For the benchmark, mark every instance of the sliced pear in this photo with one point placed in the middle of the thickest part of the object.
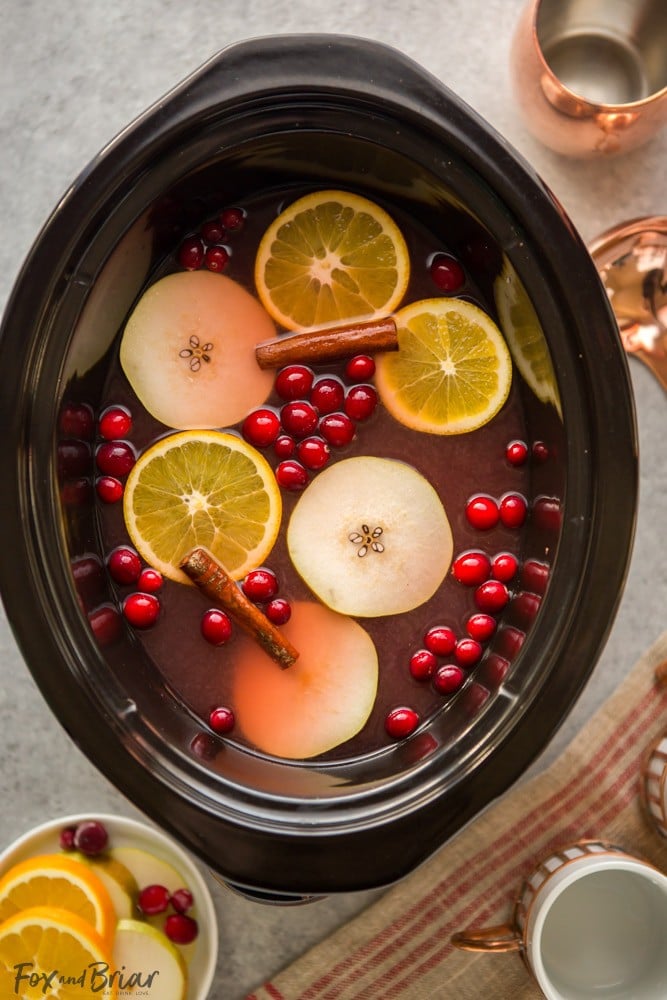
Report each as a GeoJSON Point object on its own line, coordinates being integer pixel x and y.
{"type": "Point", "coordinates": [370, 537]}
{"type": "Point", "coordinates": [188, 350]}
{"type": "Point", "coordinates": [147, 869]}
{"type": "Point", "coordinates": [118, 880]}
{"type": "Point", "coordinates": [322, 700]}
{"type": "Point", "coordinates": [145, 953]}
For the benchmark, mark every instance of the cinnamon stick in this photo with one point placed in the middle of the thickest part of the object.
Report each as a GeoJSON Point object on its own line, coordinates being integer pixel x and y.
{"type": "Point", "coordinates": [329, 344]}
{"type": "Point", "coordinates": [214, 581]}
{"type": "Point", "coordinates": [661, 674]}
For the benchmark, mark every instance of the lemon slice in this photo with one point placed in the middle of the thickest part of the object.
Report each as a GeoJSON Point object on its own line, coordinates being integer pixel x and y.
{"type": "Point", "coordinates": [525, 338]}
{"type": "Point", "coordinates": [329, 257]}
{"type": "Point", "coordinates": [202, 488]}
{"type": "Point", "coordinates": [47, 940]}
{"type": "Point", "coordinates": [452, 371]}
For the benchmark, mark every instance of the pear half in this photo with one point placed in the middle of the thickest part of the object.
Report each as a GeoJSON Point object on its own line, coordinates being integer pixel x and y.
{"type": "Point", "coordinates": [150, 965]}
{"type": "Point", "coordinates": [370, 537]}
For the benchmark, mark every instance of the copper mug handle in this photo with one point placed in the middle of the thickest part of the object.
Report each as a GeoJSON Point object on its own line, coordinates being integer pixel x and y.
{"type": "Point", "coordinates": [501, 938]}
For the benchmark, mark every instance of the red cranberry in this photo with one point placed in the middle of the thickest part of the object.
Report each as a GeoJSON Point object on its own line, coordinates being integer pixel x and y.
{"type": "Point", "coordinates": [284, 446]}
{"type": "Point", "coordinates": [294, 382]}
{"type": "Point", "coordinates": [216, 627]}
{"type": "Point", "coordinates": [513, 510]}
{"type": "Point", "coordinates": [109, 489]}
{"type": "Point", "coordinates": [180, 928]}
{"type": "Point", "coordinates": [105, 623]}
{"type": "Point", "coordinates": [221, 720]}
{"type": "Point", "coordinates": [525, 607]}
{"type": "Point", "coordinates": [495, 670]}
{"type": "Point", "coordinates": [492, 596]}
{"type": "Point", "coordinates": [260, 585]}
{"type": "Point", "coordinates": [212, 231]}
{"type": "Point", "coordinates": [76, 492]}
{"type": "Point", "coordinates": [547, 513]}
{"type": "Point", "coordinates": [337, 429]}
{"type": "Point", "coordinates": [90, 837]}
{"type": "Point", "coordinates": [124, 565]}
{"type": "Point", "coordinates": [510, 640]}
{"type": "Point", "coordinates": [278, 611]}
{"type": "Point", "coordinates": [440, 640]}
{"type": "Point", "coordinates": [474, 698]}
{"type": "Point", "coordinates": [77, 421]}
{"type": "Point", "coordinates": [73, 458]}
{"type": "Point", "coordinates": [261, 427]}
{"type": "Point", "coordinates": [291, 475]}
{"type": "Point", "coordinates": [504, 566]}
{"type": "Point", "coordinates": [535, 576]}
{"type": "Point", "coordinates": [191, 253]}
{"type": "Point", "coordinates": [360, 402]}
{"type": "Point", "coordinates": [299, 418]}
{"type": "Point", "coordinates": [233, 219]}
{"type": "Point", "coordinates": [539, 451]}
{"type": "Point", "coordinates": [482, 511]}
{"type": "Point", "coordinates": [141, 610]}
{"type": "Point", "coordinates": [481, 627]}
{"type": "Point", "coordinates": [216, 258]}
{"type": "Point", "coordinates": [472, 567]}
{"type": "Point", "coordinates": [446, 273]}
{"type": "Point", "coordinates": [313, 452]}
{"type": "Point", "coordinates": [448, 678]}
{"type": "Point", "coordinates": [468, 652]}
{"type": "Point", "coordinates": [327, 395]}
{"type": "Point", "coordinates": [205, 746]}
{"type": "Point", "coordinates": [67, 838]}
{"type": "Point", "coordinates": [422, 664]}
{"type": "Point", "coordinates": [516, 452]}
{"type": "Point", "coordinates": [150, 581]}
{"type": "Point", "coordinates": [115, 458]}
{"type": "Point", "coordinates": [182, 900]}
{"type": "Point", "coordinates": [153, 899]}
{"type": "Point", "coordinates": [360, 368]}
{"type": "Point", "coordinates": [400, 722]}
{"type": "Point", "coordinates": [115, 422]}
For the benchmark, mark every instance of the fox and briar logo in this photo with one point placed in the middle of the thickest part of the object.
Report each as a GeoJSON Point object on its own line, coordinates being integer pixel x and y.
{"type": "Point", "coordinates": [98, 977]}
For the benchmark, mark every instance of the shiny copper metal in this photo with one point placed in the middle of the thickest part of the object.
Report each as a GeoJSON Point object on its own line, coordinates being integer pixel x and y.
{"type": "Point", "coordinates": [631, 259]}
{"type": "Point", "coordinates": [590, 77]}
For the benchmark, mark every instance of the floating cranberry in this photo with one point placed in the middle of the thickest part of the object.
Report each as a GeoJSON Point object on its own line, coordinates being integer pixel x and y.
{"type": "Point", "coordinates": [299, 417]}
{"type": "Point", "coordinates": [495, 670]}
{"type": "Point", "coordinates": [73, 458]}
{"type": "Point", "coordinates": [180, 928]}
{"type": "Point", "coordinates": [441, 640]}
{"type": "Point", "coordinates": [278, 611]}
{"type": "Point", "coordinates": [77, 492]}
{"type": "Point", "coordinates": [221, 720]}
{"type": "Point", "coordinates": [448, 678]}
{"type": "Point", "coordinates": [482, 511]}
{"type": "Point", "coordinates": [535, 576]}
{"type": "Point", "coordinates": [124, 565]}
{"type": "Point", "coordinates": [539, 451]}
{"type": "Point", "coordinates": [510, 640]}
{"type": "Point", "coordinates": [261, 427]}
{"type": "Point", "coordinates": [422, 664]}
{"type": "Point", "coordinates": [504, 566]}
{"type": "Point", "coordinates": [337, 429]}
{"type": "Point", "coordinates": [260, 585]}
{"type": "Point", "coordinates": [492, 596]}
{"type": "Point", "coordinates": [182, 900]}
{"type": "Point", "coordinates": [233, 219]}
{"type": "Point", "coordinates": [105, 623]}
{"type": "Point", "coordinates": [547, 513]}
{"type": "Point", "coordinates": [294, 382]}
{"type": "Point", "coordinates": [513, 510]}
{"type": "Point", "coordinates": [468, 652]}
{"type": "Point", "coordinates": [90, 837]}
{"type": "Point", "coordinates": [109, 489]}
{"type": "Point", "coordinates": [525, 607]}
{"type": "Point", "coordinates": [213, 231]}
{"type": "Point", "coordinates": [115, 422]}
{"type": "Point", "coordinates": [150, 581]}
{"type": "Point", "coordinates": [446, 273]}
{"type": "Point", "coordinates": [360, 368]}
{"type": "Point", "coordinates": [67, 838]}
{"type": "Point", "coordinates": [205, 746]}
{"type": "Point", "coordinates": [77, 420]}
{"type": "Point", "coordinates": [191, 253]}
{"type": "Point", "coordinates": [216, 627]}
{"type": "Point", "coordinates": [115, 458]}
{"type": "Point", "coordinates": [153, 899]}
{"type": "Point", "coordinates": [313, 452]}
{"type": "Point", "coordinates": [472, 567]}
{"type": "Point", "coordinates": [327, 395]}
{"type": "Point", "coordinates": [291, 475]}
{"type": "Point", "coordinates": [516, 452]}
{"type": "Point", "coordinates": [284, 446]}
{"type": "Point", "coordinates": [481, 627]}
{"type": "Point", "coordinates": [400, 722]}
{"type": "Point", "coordinates": [360, 402]}
{"type": "Point", "coordinates": [216, 258]}
{"type": "Point", "coordinates": [141, 610]}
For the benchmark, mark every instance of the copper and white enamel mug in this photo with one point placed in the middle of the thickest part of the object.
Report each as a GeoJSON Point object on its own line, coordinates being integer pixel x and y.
{"type": "Point", "coordinates": [590, 922]}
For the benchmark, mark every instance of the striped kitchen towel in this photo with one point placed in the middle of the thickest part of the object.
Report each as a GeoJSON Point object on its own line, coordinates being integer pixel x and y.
{"type": "Point", "coordinates": [400, 946]}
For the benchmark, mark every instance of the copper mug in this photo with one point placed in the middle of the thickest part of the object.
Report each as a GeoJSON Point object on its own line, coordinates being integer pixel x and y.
{"type": "Point", "coordinates": [590, 921]}
{"type": "Point", "coordinates": [589, 76]}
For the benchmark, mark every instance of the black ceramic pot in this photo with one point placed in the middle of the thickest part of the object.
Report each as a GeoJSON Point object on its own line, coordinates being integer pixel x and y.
{"type": "Point", "coordinates": [327, 111]}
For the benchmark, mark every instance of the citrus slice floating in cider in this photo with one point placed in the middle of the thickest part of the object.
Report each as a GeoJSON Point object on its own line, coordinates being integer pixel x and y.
{"type": "Point", "coordinates": [202, 488]}
{"type": "Point", "coordinates": [329, 257]}
{"type": "Point", "coordinates": [452, 372]}
{"type": "Point", "coordinates": [55, 880]}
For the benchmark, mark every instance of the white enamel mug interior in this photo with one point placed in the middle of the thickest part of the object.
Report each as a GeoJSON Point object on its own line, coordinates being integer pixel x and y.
{"type": "Point", "coordinates": [597, 930]}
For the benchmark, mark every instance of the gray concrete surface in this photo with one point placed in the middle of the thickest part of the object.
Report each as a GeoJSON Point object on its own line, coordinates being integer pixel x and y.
{"type": "Point", "coordinates": [72, 74]}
